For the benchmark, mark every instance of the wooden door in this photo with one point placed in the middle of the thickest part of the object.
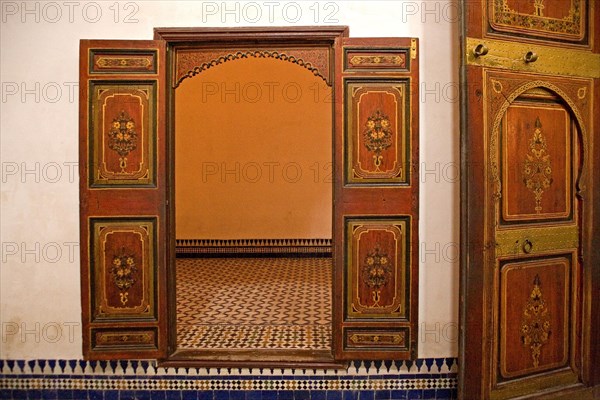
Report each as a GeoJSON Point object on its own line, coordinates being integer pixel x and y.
{"type": "Point", "coordinates": [530, 72]}
{"type": "Point", "coordinates": [122, 198]}
{"type": "Point", "coordinates": [376, 198]}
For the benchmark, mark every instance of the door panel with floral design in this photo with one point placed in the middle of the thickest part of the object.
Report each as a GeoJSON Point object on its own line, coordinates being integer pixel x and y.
{"type": "Point", "coordinates": [376, 199]}
{"type": "Point", "coordinates": [530, 84]}
{"type": "Point", "coordinates": [122, 193]}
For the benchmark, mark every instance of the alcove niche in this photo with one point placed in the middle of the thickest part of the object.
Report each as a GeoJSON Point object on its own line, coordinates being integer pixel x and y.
{"type": "Point", "coordinates": [253, 207]}
{"type": "Point", "coordinates": [253, 146]}
{"type": "Point", "coordinates": [292, 152]}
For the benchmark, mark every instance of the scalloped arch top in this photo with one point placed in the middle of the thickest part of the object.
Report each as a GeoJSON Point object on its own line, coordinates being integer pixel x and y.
{"type": "Point", "coordinates": [192, 62]}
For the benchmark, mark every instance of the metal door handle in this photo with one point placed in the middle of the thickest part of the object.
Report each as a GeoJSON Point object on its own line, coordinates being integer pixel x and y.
{"type": "Point", "coordinates": [480, 50]}
{"type": "Point", "coordinates": [527, 246]}
{"type": "Point", "coordinates": [530, 57]}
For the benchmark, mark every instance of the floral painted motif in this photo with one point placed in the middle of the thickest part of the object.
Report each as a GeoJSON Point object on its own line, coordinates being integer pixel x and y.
{"type": "Point", "coordinates": [378, 136]}
{"type": "Point", "coordinates": [537, 172]}
{"type": "Point", "coordinates": [376, 272]}
{"type": "Point", "coordinates": [535, 326]}
{"type": "Point", "coordinates": [123, 270]}
{"type": "Point", "coordinates": [122, 137]}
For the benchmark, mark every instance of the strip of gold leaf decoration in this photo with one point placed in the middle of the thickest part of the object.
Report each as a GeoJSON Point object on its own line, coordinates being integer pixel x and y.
{"type": "Point", "coordinates": [509, 242]}
{"type": "Point", "coordinates": [535, 323]}
{"type": "Point", "coordinates": [120, 338]}
{"type": "Point", "coordinates": [537, 170]}
{"type": "Point", "coordinates": [130, 62]}
{"type": "Point", "coordinates": [551, 60]}
{"type": "Point", "coordinates": [372, 338]}
{"type": "Point", "coordinates": [378, 59]}
{"type": "Point", "coordinates": [413, 48]}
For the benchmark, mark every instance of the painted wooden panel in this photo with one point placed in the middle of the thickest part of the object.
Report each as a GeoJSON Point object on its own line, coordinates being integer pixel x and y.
{"type": "Point", "coordinates": [366, 59]}
{"type": "Point", "coordinates": [122, 170]}
{"type": "Point", "coordinates": [561, 20]}
{"type": "Point", "coordinates": [123, 268]}
{"type": "Point", "coordinates": [377, 268]}
{"type": "Point", "coordinates": [135, 339]}
{"type": "Point", "coordinates": [377, 128]}
{"type": "Point", "coordinates": [122, 133]}
{"type": "Point", "coordinates": [122, 62]}
{"type": "Point", "coordinates": [528, 261]}
{"type": "Point", "coordinates": [377, 339]}
{"type": "Point", "coordinates": [376, 194]}
{"type": "Point", "coordinates": [536, 162]}
{"type": "Point", "coordinates": [535, 318]}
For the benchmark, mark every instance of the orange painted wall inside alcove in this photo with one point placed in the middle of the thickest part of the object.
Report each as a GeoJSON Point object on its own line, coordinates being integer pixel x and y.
{"type": "Point", "coordinates": [253, 151]}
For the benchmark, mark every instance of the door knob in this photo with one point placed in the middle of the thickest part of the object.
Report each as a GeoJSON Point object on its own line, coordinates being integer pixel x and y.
{"type": "Point", "coordinates": [527, 246]}
{"type": "Point", "coordinates": [530, 57]}
{"type": "Point", "coordinates": [480, 50]}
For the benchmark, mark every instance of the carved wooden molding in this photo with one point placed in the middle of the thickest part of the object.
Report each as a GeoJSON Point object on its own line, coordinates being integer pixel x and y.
{"type": "Point", "coordinates": [190, 63]}
{"type": "Point", "coordinates": [502, 94]}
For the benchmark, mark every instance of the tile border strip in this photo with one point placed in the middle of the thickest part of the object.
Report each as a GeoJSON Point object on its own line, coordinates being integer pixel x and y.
{"type": "Point", "coordinates": [82, 383]}
{"type": "Point", "coordinates": [150, 368]}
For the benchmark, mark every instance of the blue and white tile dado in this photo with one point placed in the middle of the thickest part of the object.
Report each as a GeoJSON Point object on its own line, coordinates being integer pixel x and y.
{"type": "Point", "coordinates": [432, 378]}
{"type": "Point", "coordinates": [152, 368]}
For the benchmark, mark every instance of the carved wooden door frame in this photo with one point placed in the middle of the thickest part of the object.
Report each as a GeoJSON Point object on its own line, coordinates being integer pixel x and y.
{"type": "Point", "coordinates": [374, 63]}
{"type": "Point", "coordinates": [184, 48]}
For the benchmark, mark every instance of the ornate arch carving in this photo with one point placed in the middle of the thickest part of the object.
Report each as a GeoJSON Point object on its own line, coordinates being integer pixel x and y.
{"type": "Point", "coordinates": [190, 63]}
{"type": "Point", "coordinates": [499, 111]}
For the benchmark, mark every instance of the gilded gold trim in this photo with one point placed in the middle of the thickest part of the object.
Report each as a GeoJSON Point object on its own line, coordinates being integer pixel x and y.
{"type": "Point", "coordinates": [377, 338]}
{"type": "Point", "coordinates": [130, 61]}
{"type": "Point", "coordinates": [510, 242]}
{"type": "Point", "coordinates": [123, 62]}
{"type": "Point", "coordinates": [377, 59]}
{"type": "Point", "coordinates": [551, 60]}
{"type": "Point", "coordinates": [119, 338]}
{"type": "Point", "coordinates": [116, 338]}
{"type": "Point", "coordinates": [413, 49]}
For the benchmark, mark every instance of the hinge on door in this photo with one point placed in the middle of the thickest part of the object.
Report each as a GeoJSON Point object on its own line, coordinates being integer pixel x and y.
{"type": "Point", "coordinates": [413, 49]}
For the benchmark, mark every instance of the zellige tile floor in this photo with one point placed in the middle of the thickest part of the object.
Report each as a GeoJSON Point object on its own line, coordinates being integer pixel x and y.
{"type": "Point", "coordinates": [254, 303]}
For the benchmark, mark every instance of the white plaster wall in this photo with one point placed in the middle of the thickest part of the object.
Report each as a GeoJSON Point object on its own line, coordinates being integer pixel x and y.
{"type": "Point", "coordinates": [40, 311]}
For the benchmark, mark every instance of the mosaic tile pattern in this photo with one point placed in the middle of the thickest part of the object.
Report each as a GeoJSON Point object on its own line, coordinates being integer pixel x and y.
{"type": "Point", "coordinates": [254, 303]}
{"type": "Point", "coordinates": [130, 379]}
{"type": "Point", "coordinates": [151, 369]}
